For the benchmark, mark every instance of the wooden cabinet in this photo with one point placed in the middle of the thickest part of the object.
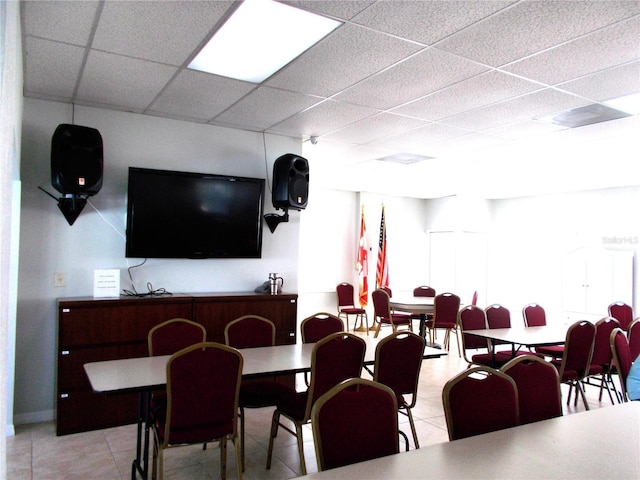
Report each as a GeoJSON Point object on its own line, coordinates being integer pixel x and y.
{"type": "Point", "coordinates": [91, 330]}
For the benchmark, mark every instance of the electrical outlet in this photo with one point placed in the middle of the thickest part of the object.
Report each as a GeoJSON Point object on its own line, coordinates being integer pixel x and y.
{"type": "Point", "coordinates": [60, 280]}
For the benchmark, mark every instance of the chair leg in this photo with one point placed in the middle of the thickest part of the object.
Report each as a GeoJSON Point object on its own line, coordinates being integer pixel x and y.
{"type": "Point", "coordinates": [406, 439]}
{"type": "Point", "coordinates": [239, 444]}
{"type": "Point", "coordinates": [303, 464]}
{"type": "Point", "coordinates": [223, 458]}
{"type": "Point", "coordinates": [242, 436]}
{"type": "Point", "coordinates": [413, 427]}
{"type": "Point", "coordinates": [582, 394]}
{"type": "Point", "coordinates": [275, 422]}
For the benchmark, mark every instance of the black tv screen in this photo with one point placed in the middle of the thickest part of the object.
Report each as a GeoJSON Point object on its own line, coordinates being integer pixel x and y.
{"type": "Point", "coordinates": [193, 215]}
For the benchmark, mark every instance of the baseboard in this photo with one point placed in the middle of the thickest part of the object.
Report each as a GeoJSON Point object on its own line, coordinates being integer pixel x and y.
{"type": "Point", "coordinates": [33, 417]}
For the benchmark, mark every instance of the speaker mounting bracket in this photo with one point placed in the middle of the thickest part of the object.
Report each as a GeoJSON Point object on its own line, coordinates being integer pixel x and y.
{"type": "Point", "coordinates": [273, 219]}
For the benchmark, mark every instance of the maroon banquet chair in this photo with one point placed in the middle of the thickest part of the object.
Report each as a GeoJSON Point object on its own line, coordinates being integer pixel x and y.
{"type": "Point", "coordinates": [480, 400]}
{"type": "Point", "coordinates": [397, 365]}
{"type": "Point", "coordinates": [472, 318]}
{"type": "Point", "coordinates": [383, 314]}
{"type": "Point", "coordinates": [346, 306]}
{"type": "Point", "coordinates": [621, 312]}
{"type": "Point", "coordinates": [576, 360]}
{"type": "Point", "coordinates": [535, 316]}
{"type": "Point", "coordinates": [538, 383]}
{"type": "Point", "coordinates": [335, 358]}
{"type": "Point", "coordinates": [343, 430]}
{"type": "Point", "coordinates": [423, 291]}
{"type": "Point", "coordinates": [622, 359]}
{"type": "Point", "coordinates": [168, 338]}
{"type": "Point", "coordinates": [319, 325]}
{"type": "Point", "coordinates": [634, 338]}
{"type": "Point", "coordinates": [251, 331]}
{"type": "Point", "coordinates": [445, 316]}
{"type": "Point", "coordinates": [602, 359]}
{"type": "Point", "coordinates": [203, 385]}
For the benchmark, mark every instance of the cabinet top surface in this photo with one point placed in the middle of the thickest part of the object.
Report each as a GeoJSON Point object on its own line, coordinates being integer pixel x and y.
{"type": "Point", "coordinates": [179, 297]}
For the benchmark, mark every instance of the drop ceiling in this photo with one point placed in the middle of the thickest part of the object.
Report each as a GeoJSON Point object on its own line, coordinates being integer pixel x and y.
{"type": "Point", "coordinates": [462, 83]}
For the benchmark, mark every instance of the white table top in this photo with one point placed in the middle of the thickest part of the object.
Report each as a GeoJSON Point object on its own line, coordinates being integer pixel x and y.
{"type": "Point", "coordinates": [150, 372]}
{"type": "Point", "coordinates": [528, 336]}
{"type": "Point", "coordinates": [597, 444]}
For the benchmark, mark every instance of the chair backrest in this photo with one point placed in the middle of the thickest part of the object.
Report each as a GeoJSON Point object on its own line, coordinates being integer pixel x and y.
{"type": "Point", "coordinates": [634, 338]}
{"type": "Point", "coordinates": [479, 400]}
{"type": "Point", "coordinates": [250, 331]}
{"type": "Point", "coordinates": [498, 316]}
{"type": "Point", "coordinates": [424, 291]}
{"type": "Point", "coordinates": [173, 335]}
{"type": "Point", "coordinates": [388, 290]}
{"type": "Point", "coordinates": [538, 385]}
{"type": "Point", "coordinates": [474, 298]}
{"type": "Point", "coordinates": [381, 307]}
{"type": "Point", "coordinates": [335, 358]}
{"type": "Point", "coordinates": [203, 385]}
{"type": "Point", "coordinates": [318, 326]}
{"type": "Point", "coordinates": [534, 315]}
{"type": "Point", "coordinates": [621, 357]}
{"type": "Point", "coordinates": [472, 317]}
{"type": "Point", "coordinates": [344, 293]}
{"type": "Point", "coordinates": [397, 363]}
{"type": "Point", "coordinates": [601, 347]}
{"type": "Point", "coordinates": [621, 312]}
{"type": "Point", "coordinates": [445, 309]}
{"type": "Point", "coordinates": [343, 430]}
{"type": "Point", "coordinates": [578, 349]}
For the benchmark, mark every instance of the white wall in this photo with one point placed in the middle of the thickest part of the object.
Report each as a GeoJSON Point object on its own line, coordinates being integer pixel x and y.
{"type": "Point", "coordinates": [97, 238]}
{"type": "Point", "coordinates": [10, 132]}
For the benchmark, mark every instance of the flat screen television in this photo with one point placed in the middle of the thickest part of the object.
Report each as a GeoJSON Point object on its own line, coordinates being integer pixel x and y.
{"type": "Point", "coordinates": [193, 215]}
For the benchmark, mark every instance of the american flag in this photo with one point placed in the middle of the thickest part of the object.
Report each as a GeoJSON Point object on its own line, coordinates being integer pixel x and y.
{"type": "Point", "coordinates": [362, 264]}
{"type": "Point", "coordinates": [382, 270]}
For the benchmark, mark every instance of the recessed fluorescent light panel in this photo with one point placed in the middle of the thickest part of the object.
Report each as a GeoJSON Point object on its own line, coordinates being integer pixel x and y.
{"type": "Point", "coordinates": [260, 38]}
{"type": "Point", "coordinates": [587, 115]}
{"type": "Point", "coordinates": [404, 158]}
{"type": "Point", "coordinates": [628, 103]}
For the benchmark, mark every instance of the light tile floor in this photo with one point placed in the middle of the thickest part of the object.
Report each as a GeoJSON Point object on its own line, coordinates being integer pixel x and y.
{"type": "Point", "coordinates": [36, 453]}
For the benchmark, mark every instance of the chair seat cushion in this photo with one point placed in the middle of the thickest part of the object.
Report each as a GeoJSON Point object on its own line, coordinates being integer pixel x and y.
{"type": "Point", "coordinates": [398, 319]}
{"type": "Point", "coordinates": [555, 351]}
{"type": "Point", "coordinates": [255, 393]}
{"type": "Point", "coordinates": [353, 311]}
{"type": "Point", "coordinates": [293, 404]}
{"type": "Point", "coordinates": [487, 360]}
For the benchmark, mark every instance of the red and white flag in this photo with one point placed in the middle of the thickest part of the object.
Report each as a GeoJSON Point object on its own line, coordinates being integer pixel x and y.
{"type": "Point", "coordinates": [382, 270]}
{"type": "Point", "coordinates": [362, 265]}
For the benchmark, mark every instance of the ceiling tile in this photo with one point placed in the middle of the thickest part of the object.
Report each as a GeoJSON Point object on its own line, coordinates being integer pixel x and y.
{"type": "Point", "coordinates": [381, 125]}
{"type": "Point", "coordinates": [525, 107]}
{"type": "Point", "coordinates": [473, 93]}
{"type": "Point", "coordinates": [194, 94]}
{"type": "Point", "coordinates": [607, 84]}
{"type": "Point", "coordinates": [532, 26]}
{"type": "Point", "coordinates": [63, 21]}
{"type": "Point", "coordinates": [265, 107]}
{"type": "Point", "coordinates": [426, 21]}
{"type": "Point", "coordinates": [131, 28]}
{"type": "Point", "coordinates": [123, 82]}
{"type": "Point", "coordinates": [342, 9]}
{"type": "Point", "coordinates": [343, 58]}
{"type": "Point", "coordinates": [55, 79]}
{"type": "Point", "coordinates": [419, 140]}
{"type": "Point", "coordinates": [591, 53]}
{"type": "Point", "coordinates": [322, 119]}
{"type": "Point", "coordinates": [419, 75]}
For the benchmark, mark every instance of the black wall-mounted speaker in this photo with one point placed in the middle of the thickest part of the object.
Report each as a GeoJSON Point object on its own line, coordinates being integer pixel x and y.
{"type": "Point", "coordinates": [76, 160]}
{"type": "Point", "coordinates": [290, 182]}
